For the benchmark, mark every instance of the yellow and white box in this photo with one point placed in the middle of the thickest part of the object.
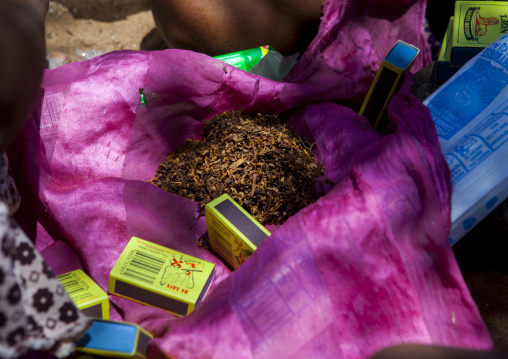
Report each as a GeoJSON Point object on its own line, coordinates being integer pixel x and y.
{"type": "Point", "coordinates": [86, 294]}
{"type": "Point", "coordinates": [232, 231]}
{"type": "Point", "coordinates": [112, 339]}
{"type": "Point", "coordinates": [387, 80]}
{"type": "Point", "coordinates": [476, 25]}
{"type": "Point", "coordinates": [154, 275]}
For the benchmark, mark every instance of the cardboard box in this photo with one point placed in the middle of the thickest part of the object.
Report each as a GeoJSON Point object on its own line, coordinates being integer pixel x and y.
{"type": "Point", "coordinates": [114, 339]}
{"type": "Point", "coordinates": [387, 80]}
{"type": "Point", "coordinates": [477, 24]}
{"type": "Point", "coordinates": [161, 277]}
{"type": "Point", "coordinates": [86, 294]}
{"type": "Point", "coordinates": [232, 231]}
{"type": "Point", "coordinates": [470, 112]}
{"type": "Point", "coordinates": [444, 68]}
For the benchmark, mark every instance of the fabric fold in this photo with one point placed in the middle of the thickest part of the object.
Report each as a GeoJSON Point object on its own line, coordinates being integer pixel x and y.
{"type": "Point", "coordinates": [366, 266]}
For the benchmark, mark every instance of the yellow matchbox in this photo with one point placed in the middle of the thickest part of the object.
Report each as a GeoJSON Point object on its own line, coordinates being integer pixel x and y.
{"type": "Point", "coordinates": [86, 294]}
{"type": "Point", "coordinates": [399, 59]}
{"type": "Point", "coordinates": [232, 231]}
{"type": "Point", "coordinates": [154, 275]}
{"type": "Point", "coordinates": [477, 24]}
{"type": "Point", "coordinates": [112, 339]}
{"type": "Point", "coordinates": [444, 68]}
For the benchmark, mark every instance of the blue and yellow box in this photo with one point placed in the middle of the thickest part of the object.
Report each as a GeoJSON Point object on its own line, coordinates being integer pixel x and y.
{"type": "Point", "coordinates": [232, 231]}
{"type": "Point", "coordinates": [86, 294]}
{"type": "Point", "coordinates": [399, 59]}
{"type": "Point", "coordinates": [477, 24]}
{"type": "Point", "coordinates": [154, 275]}
{"type": "Point", "coordinates": [114, 339]}
{"type": "Point", "coordinates": [444, 68]}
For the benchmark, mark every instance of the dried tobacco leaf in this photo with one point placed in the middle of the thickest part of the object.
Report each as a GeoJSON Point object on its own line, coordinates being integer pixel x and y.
{"type": "Point", "coordinates": [266, 167]}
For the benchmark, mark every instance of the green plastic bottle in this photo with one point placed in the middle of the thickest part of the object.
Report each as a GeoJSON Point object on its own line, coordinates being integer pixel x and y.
{"type": "Point", "coordinates": [246, 59]}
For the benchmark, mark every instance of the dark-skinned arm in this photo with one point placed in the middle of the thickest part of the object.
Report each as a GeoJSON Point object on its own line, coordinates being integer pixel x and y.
{"type": "Point", "coordinates": [217, 27]}
{"type": "Point", "coordinates": [22, 62]}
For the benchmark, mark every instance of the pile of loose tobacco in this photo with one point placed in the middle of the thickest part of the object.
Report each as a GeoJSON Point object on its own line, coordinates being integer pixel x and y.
{"type": "Point", "coordinates": [263, 165]}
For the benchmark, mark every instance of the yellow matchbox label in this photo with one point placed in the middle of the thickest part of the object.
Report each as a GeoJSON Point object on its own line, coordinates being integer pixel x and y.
{"type": "Point", "coordinates": [479, 23]}
{"type": "Point", "coordinates": [161, 277]}
{"type": "Point", "coordinates": [476, 25]}
{"type": "Point", "coordinates": [86, 294]}
{"type": "Point", "coordinates": [232, 231]}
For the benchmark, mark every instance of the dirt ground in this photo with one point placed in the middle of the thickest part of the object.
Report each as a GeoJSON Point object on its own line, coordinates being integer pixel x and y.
{"type": "Point", "coordinates": [84, 28]}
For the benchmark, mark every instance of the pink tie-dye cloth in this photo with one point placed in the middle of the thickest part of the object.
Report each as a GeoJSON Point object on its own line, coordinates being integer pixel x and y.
{"type": "Point", "coordinates": [365, 267]}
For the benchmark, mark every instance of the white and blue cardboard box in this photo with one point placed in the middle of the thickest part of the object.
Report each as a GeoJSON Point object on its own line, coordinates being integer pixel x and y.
{"type": "Point", "coordinates": [470, 112]}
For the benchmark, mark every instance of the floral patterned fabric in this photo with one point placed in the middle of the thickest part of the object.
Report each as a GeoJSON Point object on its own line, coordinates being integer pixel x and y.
{"type": "Point", "coordinates": [36, 313]}
{"type": "Point", "coordinates": [8, 191]}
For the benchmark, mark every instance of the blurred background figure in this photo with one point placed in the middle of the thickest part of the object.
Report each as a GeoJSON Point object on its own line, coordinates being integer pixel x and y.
{"type": "Point", "coordinates": [220, 27]}
{"type": "Point", "coordinates": [22, 62]}
{"type": "Point", "coordinates": [31, 294]}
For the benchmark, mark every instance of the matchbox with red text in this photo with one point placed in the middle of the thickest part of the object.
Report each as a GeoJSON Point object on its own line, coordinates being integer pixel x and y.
{"type": "Point", "coordinates": [151, 274]}
{"type": "Point", "coordinates": [232, 231]}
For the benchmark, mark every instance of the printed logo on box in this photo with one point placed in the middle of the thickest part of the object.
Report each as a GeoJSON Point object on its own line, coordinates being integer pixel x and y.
{"type": "Point", "coordinates": [480, 22]}
{"type": "Point", "coordinates": [476, 25]}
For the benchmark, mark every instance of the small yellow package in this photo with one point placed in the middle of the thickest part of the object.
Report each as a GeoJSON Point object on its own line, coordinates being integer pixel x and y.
{"type": "Point", "coordinates": [86, 294]}
{"type": "Point", "coordinates": [444, 68]}
{"type": "Point", "coordinates": [233, 233]}
{"type": "Point", "coordinates": [161, 277]}
{"type": "Point", "coordinates": [114, 339]}
{"type": "Point", "coordinates": [477, 24]}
